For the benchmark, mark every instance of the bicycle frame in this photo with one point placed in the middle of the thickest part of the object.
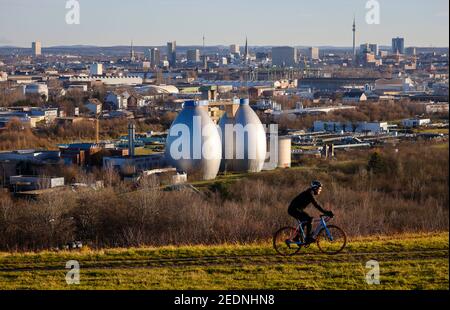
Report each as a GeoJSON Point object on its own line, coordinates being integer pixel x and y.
{"type": "Point", "coordinates": [322, 225]}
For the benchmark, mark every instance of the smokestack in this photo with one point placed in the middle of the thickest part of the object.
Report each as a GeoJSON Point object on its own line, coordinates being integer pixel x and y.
{"type": "Point", "coordinates": [131, 136]}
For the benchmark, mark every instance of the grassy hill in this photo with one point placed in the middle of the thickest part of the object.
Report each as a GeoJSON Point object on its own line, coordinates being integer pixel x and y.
{"type": "Point", "coordinates": [406, 262]}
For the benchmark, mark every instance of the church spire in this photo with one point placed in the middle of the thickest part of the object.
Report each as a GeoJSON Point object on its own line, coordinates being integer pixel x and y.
{"type": "Point", "coordinates": [246, 53]}
{"type": "Point", "coordinates": [132, 56]}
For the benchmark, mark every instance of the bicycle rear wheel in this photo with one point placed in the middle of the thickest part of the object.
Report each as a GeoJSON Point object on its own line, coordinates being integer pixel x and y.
{"type": "Point", "coordinates": [331, 243]}
{"type": "Point", "coordinates": [279, 241]}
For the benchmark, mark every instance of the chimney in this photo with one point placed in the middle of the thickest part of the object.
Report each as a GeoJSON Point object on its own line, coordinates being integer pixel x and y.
{"type": "Point", "coordinates": [131, 136]}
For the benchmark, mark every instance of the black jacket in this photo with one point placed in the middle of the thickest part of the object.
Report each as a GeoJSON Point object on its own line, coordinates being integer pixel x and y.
{"type": "Point", "coordinates": [303, 200]}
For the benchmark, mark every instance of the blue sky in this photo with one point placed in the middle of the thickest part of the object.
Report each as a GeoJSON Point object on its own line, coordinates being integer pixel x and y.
{"type": "Point", "coordinates": [265, 22]}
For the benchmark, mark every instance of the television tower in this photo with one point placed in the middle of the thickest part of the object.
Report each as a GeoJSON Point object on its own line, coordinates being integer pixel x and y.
{"type": "Point", "coordinates": [354, 38]}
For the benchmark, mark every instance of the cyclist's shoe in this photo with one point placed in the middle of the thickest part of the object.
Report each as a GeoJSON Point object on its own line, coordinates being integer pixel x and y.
{"type": "Point", "coordinates": [309, 240]}
{"type": "Point", "coordinates": [288, 243]}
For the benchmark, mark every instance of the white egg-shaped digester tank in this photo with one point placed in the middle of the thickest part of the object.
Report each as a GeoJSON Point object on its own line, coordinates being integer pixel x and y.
{"type": "Point", "coordinates": [193, 144]}
{"type": "Point", "coordinates": [226, 125]}
{"type": "Point", "coordinates": [250, 147]}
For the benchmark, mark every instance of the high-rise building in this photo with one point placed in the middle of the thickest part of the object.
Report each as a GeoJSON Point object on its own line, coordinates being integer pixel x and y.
{"type": "Point", "coordinates": [205, 60]}
{"type": "Point", "coordinates": [284, 56]}
{"type": "Point", "coordinates": [147, 54]}
{"type": "Point", "coordinates": [313, 53]}
{"type": "Point", "coordinates": [368, 48]}
{"type": "Point", "coordinates": [96, 69]}
{"type": "Point", "coordinates": [374, 48]}
{"type": "Point", "coordinates": [398, 45]}
{"type": "Point", "coordinates": [172, 53]}
{"type": "Point", "coordinates": [235, 49]}
{"type": "Point", "coordinates": [410, 51]}
{"type": "Point", "coordinates": [155, 57]}
{"type": "Point", "coordinates": [193, 56]}
{"type": "Point", "coordinates": [36, 48]}
{"type": "Point", "coordinates": [364, 48]}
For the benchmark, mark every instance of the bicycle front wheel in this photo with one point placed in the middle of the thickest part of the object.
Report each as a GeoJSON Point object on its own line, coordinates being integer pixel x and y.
{"type": "Point", "coordinates": [281, 241]}
{"type": "Point", "coordinates": [332, 241]}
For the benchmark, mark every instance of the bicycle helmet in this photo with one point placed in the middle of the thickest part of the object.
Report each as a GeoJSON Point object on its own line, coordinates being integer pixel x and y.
{"type": "Point", "coordinates": [316, 184]}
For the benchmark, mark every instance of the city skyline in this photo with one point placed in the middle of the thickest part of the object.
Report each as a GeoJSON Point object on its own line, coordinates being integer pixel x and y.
{"type": "Point", "coordinates": [423, 24]}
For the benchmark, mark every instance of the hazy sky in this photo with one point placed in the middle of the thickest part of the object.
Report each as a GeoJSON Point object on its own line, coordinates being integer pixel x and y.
{"type": "Point", "coordinates": [265, 22]}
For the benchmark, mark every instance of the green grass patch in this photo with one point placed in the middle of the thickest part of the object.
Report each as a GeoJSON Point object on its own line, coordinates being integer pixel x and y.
{"type": "Point", "coordinates": [433, 130]}
{"type": "Point", "coordinates": [411, 261]}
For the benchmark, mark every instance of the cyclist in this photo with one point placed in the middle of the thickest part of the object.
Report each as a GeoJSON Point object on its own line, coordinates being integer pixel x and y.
{"type": "Point", "coordinates": [297, 208]}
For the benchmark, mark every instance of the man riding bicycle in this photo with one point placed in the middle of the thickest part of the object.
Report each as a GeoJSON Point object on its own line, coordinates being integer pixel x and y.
{"type": "Point", "coordinates": [298, 205]}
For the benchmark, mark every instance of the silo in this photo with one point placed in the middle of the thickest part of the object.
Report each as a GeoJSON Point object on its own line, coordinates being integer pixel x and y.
{"type": "Point", "coordinates": [284, 152]}
{"type": "Point", "coordinates": [250, 146]}
{"type": "Point", "coordinates": [193, 144]}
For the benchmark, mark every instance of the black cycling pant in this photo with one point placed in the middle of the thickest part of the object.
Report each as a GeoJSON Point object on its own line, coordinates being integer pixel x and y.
{"type": "Point", "coordinates": [302, 216]}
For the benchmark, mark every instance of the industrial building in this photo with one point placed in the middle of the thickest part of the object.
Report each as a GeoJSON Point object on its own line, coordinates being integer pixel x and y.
{"type": "Point", "coordinates": [40, 89]}
{"type": "Point", "coordinates": [354, 96]}
{"type": "Point", "coordinates": [393, 86]}
{"type": "Point", "coordinates": [28, 116]}
{"type": "Point", "coordinates": [299, 110]}
{"type": "Point", "coordinates": [108, 80]}
{"type": "Point", "coordinates": [415, 122]}
{"type": "Point", "coordinates": [284, 56]}
{"type": "Point", "coordinates": [333, 84]}
{"type": "Point", "coordinates": [361, 127]}
{"type": "Point", "coordinates": [88, 154]}
{"type": "Point", "coordinates": [22, 183]}
{"type": "Point", "coordinates": [24, 162]}
{"type": "Point", "coordinates": [132, 163]}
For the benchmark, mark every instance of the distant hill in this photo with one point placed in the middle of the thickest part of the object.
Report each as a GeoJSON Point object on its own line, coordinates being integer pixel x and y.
{"type": "Point", "coordinates": [124, 50]}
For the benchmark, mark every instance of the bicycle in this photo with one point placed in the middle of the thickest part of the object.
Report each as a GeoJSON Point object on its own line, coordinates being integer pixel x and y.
{"type": "Point", "coordinates": [330, 239]}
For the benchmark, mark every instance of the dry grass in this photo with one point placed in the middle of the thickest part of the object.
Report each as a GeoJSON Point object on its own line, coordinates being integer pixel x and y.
{"type": "Point", "coordinates": [408, 192]}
